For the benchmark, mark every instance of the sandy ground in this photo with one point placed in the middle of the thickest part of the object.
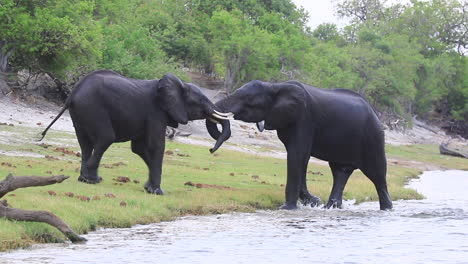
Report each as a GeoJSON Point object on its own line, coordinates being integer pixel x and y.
{"type": "Point", "coordinates": [245, 136]}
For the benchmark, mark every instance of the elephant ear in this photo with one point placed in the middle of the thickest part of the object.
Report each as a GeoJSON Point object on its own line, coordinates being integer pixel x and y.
{"type": "Point", "coordinates": [288, 104]}
{"type": "Point", "coordinates": [171, 92]}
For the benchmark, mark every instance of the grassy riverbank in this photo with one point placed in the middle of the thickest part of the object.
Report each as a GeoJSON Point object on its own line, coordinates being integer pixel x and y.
{"type": "Point", "coordinates": [233, 181]}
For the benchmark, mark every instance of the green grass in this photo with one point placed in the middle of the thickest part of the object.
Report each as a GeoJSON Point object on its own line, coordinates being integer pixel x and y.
{"type": "Point", "coordinates": [427, 154]}
{"type": "Point", "coordinates": [255, 182]}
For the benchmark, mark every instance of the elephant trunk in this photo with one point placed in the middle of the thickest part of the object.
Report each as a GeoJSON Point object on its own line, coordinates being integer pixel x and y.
{"type": "Point", "coordinates": [214, 132]}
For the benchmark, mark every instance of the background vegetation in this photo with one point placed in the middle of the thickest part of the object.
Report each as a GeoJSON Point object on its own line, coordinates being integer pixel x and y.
{"type": "Point", "coordinates": [407, 59]}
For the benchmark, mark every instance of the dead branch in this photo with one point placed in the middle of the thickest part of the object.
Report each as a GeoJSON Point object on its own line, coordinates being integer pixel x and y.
{"type": "Point", "coordinates": [11, 183]}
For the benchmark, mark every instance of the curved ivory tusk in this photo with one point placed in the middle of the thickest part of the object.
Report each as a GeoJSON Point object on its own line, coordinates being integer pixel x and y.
{"type": "Point", "coordinates": [222, 117]}
{"type": "Point", "coordinates": [214, 120]}
{"type": "Point", "coordinates": [223, 114]}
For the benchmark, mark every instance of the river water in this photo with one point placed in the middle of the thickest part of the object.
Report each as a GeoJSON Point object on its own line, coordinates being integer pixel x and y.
{"type": "Point", "coordinates": [433, 230]}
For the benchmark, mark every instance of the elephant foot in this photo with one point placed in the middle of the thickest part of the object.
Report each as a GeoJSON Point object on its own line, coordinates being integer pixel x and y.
{"type": "Point", "coordinates": [288, 206]}
{"type": "Point", "coordinates": [311, 200]}
{"type": "Point", "coordinates": [150, 188]}
{"type": "Point", "coordinates": [386, 206]}
{"type": "Point", "coordinates": [384, 199]}
{"type": "Point", "coordinates": [333, 203]}
{"type": "Point", "coordinates": [90, 180]}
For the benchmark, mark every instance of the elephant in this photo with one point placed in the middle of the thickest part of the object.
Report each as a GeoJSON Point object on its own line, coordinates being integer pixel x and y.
{"type": "Point", "coordinates": [334, 125]}
{"type": "Point", "coordinates": [106, 107]}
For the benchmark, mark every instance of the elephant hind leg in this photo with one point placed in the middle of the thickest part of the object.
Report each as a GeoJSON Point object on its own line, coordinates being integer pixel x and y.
{"type": "Point", "coordinates": [378, 178]}
{"type": "Point", "coordinates": [341, 175]}
{"type": "Point", "coordinates": [86, 145]}
{"type": "Point", "coordinates": [86, 150]}
{"type": "Point", "coordinates": [305, 196]}
{"type": "Point", "coordinates": [93, 163]}
{"type": "Point", "coordinates": [103, 137]}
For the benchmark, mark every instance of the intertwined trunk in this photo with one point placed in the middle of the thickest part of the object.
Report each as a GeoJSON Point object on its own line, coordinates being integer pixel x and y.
{"type": "Point", "coordinates": [213, 130]}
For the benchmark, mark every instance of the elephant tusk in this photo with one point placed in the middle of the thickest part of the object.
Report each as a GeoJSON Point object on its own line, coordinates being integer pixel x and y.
{"type": "Point", "coordinates": [261, 125]}
{"type": "Point", "coordinates": [222, 117]}
{"type": "Point", "coordinates": [223, 114]}
{"type": "Point", "coordinates": [214, 120]}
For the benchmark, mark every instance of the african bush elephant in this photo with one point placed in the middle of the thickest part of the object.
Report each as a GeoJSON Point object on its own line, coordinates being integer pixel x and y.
{"type": "Point", "coordinates": [107, 107]}
{"type": "Point", "coordinates": [337, 126]}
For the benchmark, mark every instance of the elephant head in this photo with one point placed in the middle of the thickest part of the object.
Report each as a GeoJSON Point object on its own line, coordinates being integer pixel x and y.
{"type": "Point", "coordinates": [270, 106]}
{"type": "Point", "coordinates": [185, 101]}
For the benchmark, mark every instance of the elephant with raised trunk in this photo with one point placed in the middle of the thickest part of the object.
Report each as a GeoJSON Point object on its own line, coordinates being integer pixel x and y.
{"type": "Point", "coordinates": [107, 107]}
{"type": "Point", "coordinates": [338, 126]}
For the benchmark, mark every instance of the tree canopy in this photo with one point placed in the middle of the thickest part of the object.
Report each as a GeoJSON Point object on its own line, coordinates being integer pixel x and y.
{"type": "Point", "coordinates": [406, 59]}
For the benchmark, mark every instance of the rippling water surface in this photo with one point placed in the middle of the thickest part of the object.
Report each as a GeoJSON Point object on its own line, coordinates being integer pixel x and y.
{"type": "Point", "coordinates": [434, 230]}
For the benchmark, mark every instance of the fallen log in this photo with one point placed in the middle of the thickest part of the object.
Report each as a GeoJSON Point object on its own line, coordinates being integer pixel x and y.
{"type": "Point", "coordinates": [11, 183]}
{"type": "Point", "coordinates": [445, 149]}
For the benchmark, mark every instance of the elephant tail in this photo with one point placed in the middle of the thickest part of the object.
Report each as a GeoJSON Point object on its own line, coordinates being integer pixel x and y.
{"type": "Point", "coordinates": [65, 107]}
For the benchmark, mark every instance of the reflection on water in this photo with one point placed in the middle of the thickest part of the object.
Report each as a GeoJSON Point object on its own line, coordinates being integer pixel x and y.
{"type": "Point", "coordinates": [434, 230]}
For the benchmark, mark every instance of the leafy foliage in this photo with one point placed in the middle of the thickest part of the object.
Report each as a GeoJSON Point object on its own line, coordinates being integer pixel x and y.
{"type": "Point", "coordinates": [407, 59]}
{"type": "Point", "coordinates": [51, 36]}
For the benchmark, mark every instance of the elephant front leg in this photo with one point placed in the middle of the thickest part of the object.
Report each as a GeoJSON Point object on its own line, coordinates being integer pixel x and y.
{"type": "Point", "coordinates": [307, 198]}
{"type": "Point", "coordinates": [153, 185]}
{"type": "Point", "coordinates": [294, 184]}
{"type": "Point", "coordinates": [304, 195]}
{"type": "Point", "coordinates": [156, 154]}
{"type": "Point", "coordinates": [299, 151]}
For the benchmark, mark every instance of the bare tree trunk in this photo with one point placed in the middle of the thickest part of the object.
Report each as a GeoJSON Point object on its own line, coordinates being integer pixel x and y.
{"type": "Point", "coordinates": [12, 183]}
{"type": "Point", "coordinates": [231, 73]}
{"type": "Point", "coordinates": [233, 67]}
{"type": "Point", "coordinates": [4, 56]}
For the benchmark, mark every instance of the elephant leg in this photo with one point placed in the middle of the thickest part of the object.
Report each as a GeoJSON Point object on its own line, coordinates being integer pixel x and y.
{"type": "Point", "coordinates": [295, 184]}
{"type": "Point", "coordinates": [139, 148]}
{"type": "Point", "coordinates": [104, 139]}
{"type": "Point", "coordinates": [378, 177]}
{"type": "Point", "coordinates": [86, 150]}
{"type": "Point", "coordinates": [341, 175]}
{"type": "Point", "coordinates": [93, 163]}
{"type": "Point", "coordinates": [304, 195]}
{"type": "Point", "coordinates": [155, 154]}
{"type": "Point", "coordinates": [298, 157]}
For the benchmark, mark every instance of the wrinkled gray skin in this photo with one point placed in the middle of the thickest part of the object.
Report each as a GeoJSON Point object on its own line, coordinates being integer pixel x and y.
{"type": "Point", "coordinates": [107, 107]}
{"type": "Point", "coordinates": [337, 126]}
